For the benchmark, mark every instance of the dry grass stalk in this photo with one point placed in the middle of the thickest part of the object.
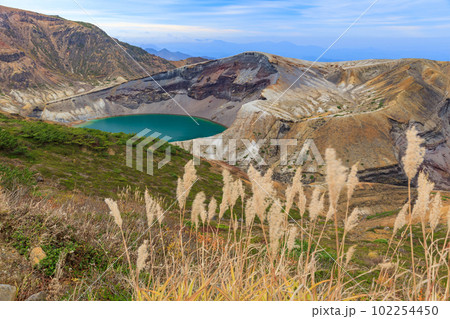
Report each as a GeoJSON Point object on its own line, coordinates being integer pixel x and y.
{"type": "Point", "coordinates": [411, 162]}
{"type": "Point", "coordinates": [448, 218]}
{"type": "Point", "coordinates": [352, 181]}
{"type": "Point", "coordinates": [336, 176]}
{"type": "Point", "coordinates": [149, 208]}
{"type": "Point", "coordinates": [241, 189]}
{"type": "Point", "coordinates": [115, 212]}
{"type": "Point", "coordinates": [226, 192]}
{"type": "Point", "coordinates": [181, 197]}
{"type": "Point", "coordinates": [55, 287]}
{"type": "Point", "coordinates": [4, 205]}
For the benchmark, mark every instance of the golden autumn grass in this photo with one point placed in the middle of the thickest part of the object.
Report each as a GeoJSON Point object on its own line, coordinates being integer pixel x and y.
{"type": "Point", "coordinates": [153, 248]}
{"type": "Point", "coordinates": [265, 255]}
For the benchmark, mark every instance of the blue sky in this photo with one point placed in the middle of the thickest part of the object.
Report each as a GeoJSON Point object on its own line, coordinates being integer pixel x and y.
{"type": "Point", "coordinates": [413, 25]}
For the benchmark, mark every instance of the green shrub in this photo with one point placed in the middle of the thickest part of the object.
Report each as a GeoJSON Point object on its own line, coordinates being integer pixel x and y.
{"type": "Point", "coordinates": [7, 141]}
{"type": "Point", "coordinates": [53, 252]}
{"type": "Point", "coordinates": [44, 133]}
{"type": "Point", "coordinates": [10, 177]}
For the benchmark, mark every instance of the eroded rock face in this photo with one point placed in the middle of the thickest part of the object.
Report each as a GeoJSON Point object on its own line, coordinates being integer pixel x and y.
{"type": "Point", "coordinates": [362, 109]}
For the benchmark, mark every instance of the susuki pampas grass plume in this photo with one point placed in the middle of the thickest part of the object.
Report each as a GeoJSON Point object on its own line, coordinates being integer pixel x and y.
{"type": "Point", "coordinates": [386, 265]}
{"type": "Point", "coordinates": [153, 209]}
{"type": "Point", "coordinates": [400, 220]}
{"type": "Point", "coordinates": [435, 213]}
{"type": "Point", "coordinates": [276, 219]}
{"type": "Point", "coordinates": [352, 220]}
{"type": "Point", "coordinates": [292, 235]}
{"type": "Point", "coordinates": [349, 254]}
{"type": "Point", "coordinates": [234, 194]}
{"type": "Point", "coordinates": [212, 207]}
{"type": "Point", "coordinates": [294, 189]}
{"type": "Point", "coordinates": [198, 208]}
{"type": "Point", "coordinates": [336, 176]}
{"type": "Point", "coordinates": [114, 211]}
{"type": "Point", "coordinates": [301, 203]}
{"type": "Point", "coordinates": [190, 175]}
{"type": "Point", "coordinates": [184, 184]}
{"type": "Point", "coordinates": [414, 153]}
{"type": "Point", "coordinates": [289, 197]}
{"type": "Point", "coordinates": [142, 257]}
{"type": "Point", "coordinates": [423, 199]}
{"type": "Point", "coordinates": [250, 212]}
{"type": "Point", "coordinates": [316, 204]}
{"type": "Point", "coordinates": [263, 191]}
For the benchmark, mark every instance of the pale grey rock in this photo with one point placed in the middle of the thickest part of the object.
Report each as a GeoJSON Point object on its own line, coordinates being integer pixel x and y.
{"type": "Point", "coordinates": [40, 296]}
{"type": "Point", "coordinates": [7, 293]}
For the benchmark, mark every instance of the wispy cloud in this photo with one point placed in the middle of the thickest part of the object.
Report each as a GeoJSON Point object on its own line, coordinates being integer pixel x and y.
{"type": "Point", "coordinates": [152, 27]}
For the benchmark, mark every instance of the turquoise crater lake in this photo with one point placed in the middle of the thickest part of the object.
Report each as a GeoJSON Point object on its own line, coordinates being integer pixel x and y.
{"type": "Point", "coordinates": [178, 127]}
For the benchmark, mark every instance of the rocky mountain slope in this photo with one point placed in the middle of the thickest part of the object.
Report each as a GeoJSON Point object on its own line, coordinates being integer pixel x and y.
{"type": "Point", "coordinates": [44, 58]}
{"type": "Point", "coordinates": [214, 89]}
{"type": "Point", "coordinates": [360, 108]}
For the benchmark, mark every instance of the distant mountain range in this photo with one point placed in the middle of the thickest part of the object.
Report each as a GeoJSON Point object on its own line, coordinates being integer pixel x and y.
{"type": "Point", "coordinates": [175, 55]}
{"type": "Point", "coordinates": [168, 55]}
{"type": "Point", "coordinates": [216, 49]}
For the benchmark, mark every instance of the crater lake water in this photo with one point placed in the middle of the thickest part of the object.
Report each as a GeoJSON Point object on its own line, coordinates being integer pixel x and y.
{"type": "Point", "coordinates": [179, 127]}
